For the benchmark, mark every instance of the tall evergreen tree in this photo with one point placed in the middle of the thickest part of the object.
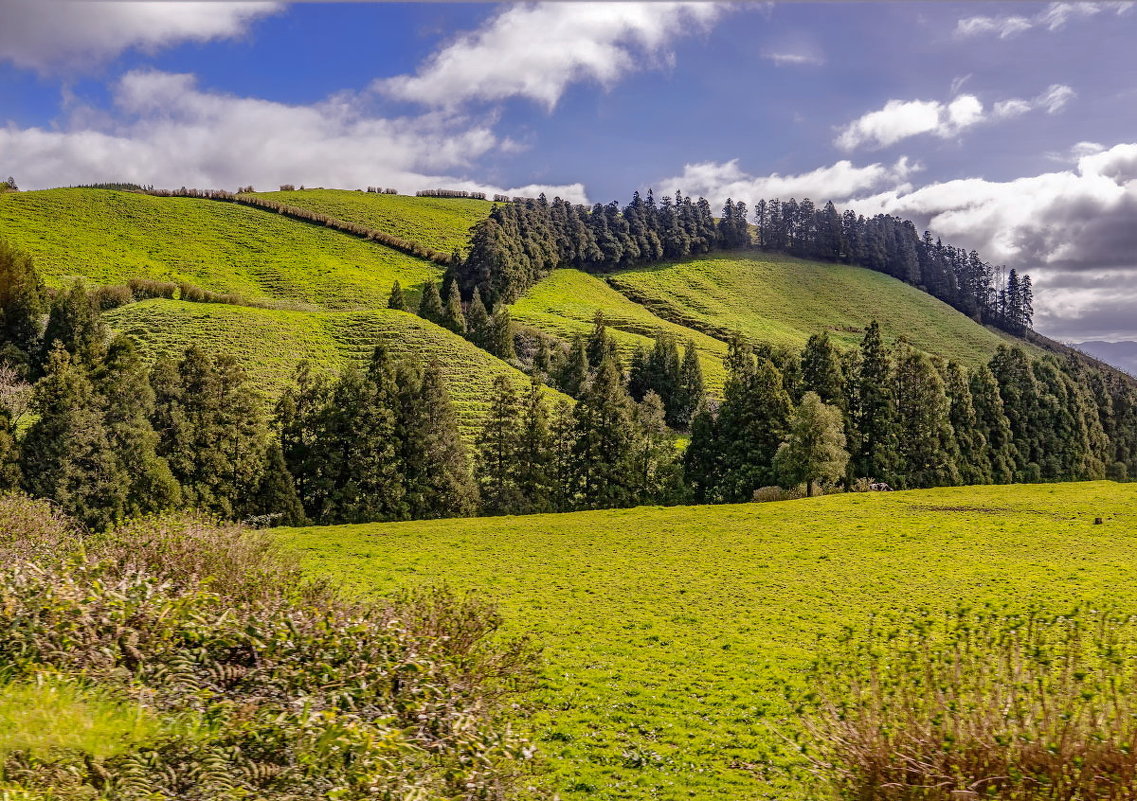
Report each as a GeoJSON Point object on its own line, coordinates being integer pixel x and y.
{"type": "Point", "coordinates": [703, 459]}
{"type": "Point", "coordinates": [397, 300]}
{"type": "Point", "coordinates": [690, 391]}
{"type": "Point", "coordinates": [75, 324]}
{"type": "Point", "coordinates": [534, 454]}
{"type": "Point", "coordinates": [974, 450]}
{"type": "Point", "coordinates": [658, 471]}
{"type": "Point", "coordinates": [22, 302]}
{"type": "Point", "coordinates": [574, 372]}
{"type": "Point", "coordinates": [452, 315]}
{"type": "Point", "coordinates": [926, 439]}
{"type": "Point", "coordinates": [478, 321]}
{"type": "Point", "coordinates": [600, 345]}
{"type": "Point", "coordinates": [498, 451]}
{"type": "Point", "coordinates": [606, 435]}
{"type": "Point", "coordinates": [992, 423]}
{"type": "Point", "coordinates": [821, 371]}
{"type": "Point", "coordinates": [500, 339]}
{"type": "Point", "coordinates": [430, 305]}
{"type": "Point", "coordinates": [875, 414]}
{"type": "Point", "coordinates": [277, 501]}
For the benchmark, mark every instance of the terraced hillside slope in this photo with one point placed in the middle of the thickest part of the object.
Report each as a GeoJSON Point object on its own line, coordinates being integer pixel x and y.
{"type": "Point", "coordinates": [669, 633]}
{"type": "Point", "coordinates": [270, 344]}
{"type": "Point", "coordinates": [565, 304]}
{"type": "Point", "coordinates": [782, 300]}
{"type": "Point", "coordinates": [440, 223]}
{"type": "Point", "coordinates": [109, 237]}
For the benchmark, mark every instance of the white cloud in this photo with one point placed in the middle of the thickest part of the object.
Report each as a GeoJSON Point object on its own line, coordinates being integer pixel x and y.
{"type": "Point", "coordinates": [902, 119]}
{"type": "Point", "coordinates": [843, 180]}
{"type": "Point", "coordinates": [537, 51]}
{"type": "Point", "coordinates": [1054, 17]}
{"type": "Point", "coordinates": [46, 34]}
{"type": "Point", "coordinates": [793, 58]}
{"type": "Point", "coordinates": [171, 133]}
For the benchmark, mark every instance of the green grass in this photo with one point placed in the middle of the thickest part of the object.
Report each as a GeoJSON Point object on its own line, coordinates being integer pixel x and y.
{"type": "Point", "coordinates": [565, 304]}
{"type": "Point", "coordinates": [270, 343]}
{"type": "Point", "coordinates": [782, 301]}
{"type": "Point", "coordinates": [439, 223]}
{"type": "Point", "coordinates": [669, 633]}
{"type": "Point", "coordinates": [108, 237]}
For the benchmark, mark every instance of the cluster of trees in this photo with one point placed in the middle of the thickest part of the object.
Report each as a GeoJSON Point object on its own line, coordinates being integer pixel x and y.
{"type": "Point", "coordinates": [891, 245]}
{"type": "Point", "coordinates": [382, 190]}
{"type": "Point", "coordinates": [907, 419]}
{"type": "Point", "coordinates": [492, 332]}
{"type": "Point", "coordinates": [9, 185]}
{"type": "Point", "coordinates": [521, 243]}
{"type": "Point", "coordinates": [450, 193]}
{"type": "Point", "coordinates": [244, 197]}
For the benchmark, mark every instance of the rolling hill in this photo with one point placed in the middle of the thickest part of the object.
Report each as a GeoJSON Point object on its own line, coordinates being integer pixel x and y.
{"type": "Point", "coordinates": [109, 237]}
{"type": "Point", "coordinates": [1122, 355]}
{"type": "Point", "coordinates": [270, 343]}
{"type": "Point", "coordinates": [439, 223]}
{"type": "Point", "coordinates": [782, 300]}
{"type": "Point", "coordinates": [670, 633]}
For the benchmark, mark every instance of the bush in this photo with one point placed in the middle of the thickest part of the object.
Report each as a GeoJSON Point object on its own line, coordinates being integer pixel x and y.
{"type": "Point", "coordinates": [258, 683]}
{"type": "Point", "coordinates": [979, 705]}
{"type": "Point", "coordinates": [144, 288]}
{"type": "Point", "coordinates": [768, 494]}
{"type": "Point", "coordinates": [111, 297]}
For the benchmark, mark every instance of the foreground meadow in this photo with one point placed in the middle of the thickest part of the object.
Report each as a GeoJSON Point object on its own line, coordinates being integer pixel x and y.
{"type": "Point", "coordinates": [670, 633]}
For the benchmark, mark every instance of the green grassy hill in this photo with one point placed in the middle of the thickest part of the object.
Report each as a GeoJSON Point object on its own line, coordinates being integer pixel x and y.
{"type": "Point", "coordinates": [270, 343]}
{"type": "Point", "coordinates": [782, 301]}
{"type": "Point", "coordinates": [565, 304]}
{"type": "Point", "coordinates": [109, 237]}
{"type": "Point", "coordinates": [437, 222]}
{"type": "Point", "coordinates": [669, 632]}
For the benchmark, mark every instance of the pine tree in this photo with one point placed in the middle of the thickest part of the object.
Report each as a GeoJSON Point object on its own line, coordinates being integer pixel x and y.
{"type": "Point", "coordinates": [574, 372]}
{"type": "Point", "coordinates": [277, 500]}
{"type": "Point", "coordinates": [452, 315]}
{"type": "Point", "coordinates": [702, 460]}
{"type": "Point", "coordinates": [478, 321]}
{"type": "Point", "coordinates": [690, 391]}
{"type": "Point", "coordinates": [821, 371]}
{"type": "Point", "coordinates": [22, 301]}
{"type": "Point", "coordinates": [127, 401]}
{"type": "Point", "coordinates": [926, 439]}
{"type": "Point", "coordinates": [66, 455]}
{"type": "Point", "coordinates": [534, 454]}
{"type": "Point", "coordinates": [75, 324]}
{"type": "Point", "coordinates": [657, 466]}
{"type": "Point", "coordinates": [10, 473]}
{"type": "Point", "coordinates": [992, 423]}
{"type": "Point", "coordinates": [606, 434]}
{"type": "Point", "coordinates": [876, 411]}
{"type": "Point", "coordinates": [298, 416]}
{"type": "Point", "coordinates": [974, 451]}
{"type": "Point", "coordinates": [500, 340]}
{"type": "Point", "coordinates": [397, 301]}
{"type": "Point", "coordinates": [498, 451]}
{"type": "Point", "coordinates": [600, 343]}
{"type": "Point", "coordinates": [430, 305]}
{"type": "Point", "coordinates": [564, 474]}
{"type": "Point", "coordinates": [815, 449]}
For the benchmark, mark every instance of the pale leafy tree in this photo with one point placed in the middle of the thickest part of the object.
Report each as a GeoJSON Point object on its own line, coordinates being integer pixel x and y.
{"type": "Point", "coordinates": [15, 393]}
{"type": "Point", "coordinates": [815, 449]}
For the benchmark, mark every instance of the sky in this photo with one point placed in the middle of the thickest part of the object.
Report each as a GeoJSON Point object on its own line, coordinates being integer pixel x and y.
{"type": "Point", "coordinates": [1010, 128]}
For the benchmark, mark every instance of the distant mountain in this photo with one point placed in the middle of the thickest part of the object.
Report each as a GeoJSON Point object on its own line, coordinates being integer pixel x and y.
{"type": "Point", "coordinates": [1122, 355]}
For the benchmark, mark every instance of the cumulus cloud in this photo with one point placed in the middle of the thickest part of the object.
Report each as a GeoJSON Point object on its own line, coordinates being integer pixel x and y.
{"type": "Point", "coordinates": [169, 132]}
{"type": "Point", "coordinates": [902, 119]}
{"type": "Point", "coordinates": [48, 34]}
{"type": "Point", "coordinates": [537, 51]}
{"type": "Point", "coordinates": [843, 180]}
{"type": "Point", "coordinates": [1054, 17]}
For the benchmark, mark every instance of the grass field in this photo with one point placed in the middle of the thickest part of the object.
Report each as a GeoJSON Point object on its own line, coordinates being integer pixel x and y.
{"type": "Point", "coordinates": [565, 304]}
{"type": "Point", "coordinates": [782, 301]}
{"type": "Point", "coordinates": [669, 633]}
{"type": "Point", "coordinates": [109, 237]}
{"type": "Point", "coordinates": [270, 343]}
{"type": "Point", "coordinates": [439, 223]}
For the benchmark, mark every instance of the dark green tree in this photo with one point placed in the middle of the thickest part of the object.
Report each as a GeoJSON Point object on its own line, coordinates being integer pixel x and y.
{"type": "Point", "coordinates": [277, 502]}
{"type": "Point", "coordinates": [821, 371]}
{"type": "Point", "coordinates": [500, 339]}
{"type": "Point", "coordinates": [606, 440]}
{"type": "Point", "coordinates": [22, 303]}
{"type": "Point", "coordinates": [974, 450]}
{"type": "Point", "coordinates": [924, 433]}
{"type": "Point", "coordinates": [430, 305]}
{"type": "Point", "coordinates": [478, 321]}
{"type": "Point", "coordinates": [691, 390]}
{"type": "Point", "coordinates": [498, 451]}
{"type": "Point", "coordinates": [658, 469]}
{"type": "Point", "coordinates": [815, 450]}
{"type": "Point", "coordinates": [991, 422]}
{"type": "Point", "coordinates": [453, 317]}
{"type": "Point", "coordinates": [75, 324]}
{"type": "Point", "coordinates": [703, 459]}
{"type": "Point", "coordinates": [875, 415]}
{"type": "Point", "coordinates": [397, 301]}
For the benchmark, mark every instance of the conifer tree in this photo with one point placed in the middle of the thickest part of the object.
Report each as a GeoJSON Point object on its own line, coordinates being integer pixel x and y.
{"type": "Point", "coordinates": [122, 383]}
{"type": "Point", "coordinates": [974, 450]}
{"type": "Point", "coordinates": [500, 340]}
{"type": "Point", "coordinates": [702, 460]}
{"type": "Point", "coordinates": [10, 474]}
{"type": "Point", "coordinates": [992, 423]}
{"type": "Point", "coordinates": [534, 455]}
{"type": "Point", "coordinates": [397, 300]}
{"type": "Point", "coordinates": [876, 411]}
{"type": "Point", "coordinates": [498, 451]}
{"type": "Point", "coordinates": [563, 468]}
{"type": "Point", "coordinates": [657, 466]}
{"type": "Point", "coordinates": [75, 324]}
{"type": "Point", "coordinates": [430, 305]}
{"type": "Point", "coordinates": [815, 450]}
{"type": "Point", "coordinates": [926, 439]}
{"type": "Point", "coordinates": [690, 391]}
{"type": "Point", "coordinates": [821, 371]}
{"type": "Point", "coordinates": [574, 371]}
{"type": "Point", "coordinates": [1022, 405]}
{"type": "Point", "coordinates": [66, 455]}
{"type": "Point", "coordinates": [435, 467]}
{"type": "Point", "coordinates": [543, 359]}
{"type": "Point", "coordinates": [606, 434]}
{"type": "Point", "coordinates": [452, 315]}
{"type": "Point", "coordinates": [600, 343]}
{"type": "Point", "coordinates": [478, 321]}
{"type": "Point", "coordinates": [22, 302]}
{"type": "Point", "coordinates": [277, 500]}
{"type": "Point", "coordinates": [299, 416]}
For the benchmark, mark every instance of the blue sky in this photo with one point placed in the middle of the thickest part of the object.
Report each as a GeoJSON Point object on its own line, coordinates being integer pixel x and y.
{"type": "Point", "coordinates": [1005, 127]}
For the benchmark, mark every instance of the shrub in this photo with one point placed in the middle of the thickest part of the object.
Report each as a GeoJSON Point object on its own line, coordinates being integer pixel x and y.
{"type": "Point", "coordinates": [768, 494]}
{"type": "Point", "coordinates": [111, 297]}
{"type": "Point", "coordinates": [979, 705]}
{"type": "Point", "coordinates": [144, 288]}
{"type": "Point", "coordinates": [258, 684]}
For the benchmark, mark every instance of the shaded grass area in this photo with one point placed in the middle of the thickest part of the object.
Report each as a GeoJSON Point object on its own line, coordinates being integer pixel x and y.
{"type": "Point", "coordinates": [781, 300]}
{"type": "Point", "coordinates": [270, 343]}
{"type": "Point", "coordinates": [565, 304]}
{"type": "Point", "coordinates": [109, 237]}
{"type": "Point", "coordinates": [439, 223]}
{"type": "Point", "coordinates": [671, 633]}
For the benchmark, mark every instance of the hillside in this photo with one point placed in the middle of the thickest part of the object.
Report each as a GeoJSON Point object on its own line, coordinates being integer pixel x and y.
{"type": "Point", "coordinates": [1122, 355]}
{"type": "Point", "coordinates": [439, 223]}
{"type": "Point", "coordinates": [109, 237]}
{"type": "Point", "coordinates": [270, 344]}
{"type": "Point", "coordinates": [565, 304]}
{"type": "Point", "coordinates": [783, 300]}
{"type": "Point", "coordinates": [670, 632]}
